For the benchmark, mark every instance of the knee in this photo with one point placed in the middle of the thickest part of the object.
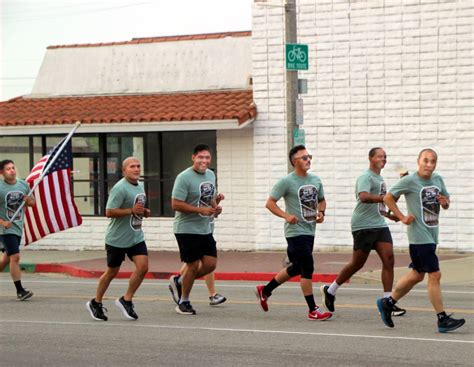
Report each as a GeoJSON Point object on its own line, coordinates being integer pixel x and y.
{"type": "Point", "coordinates": [293, 270]}
{"type": "Point", "coordinates": [192, 267]}
{"type": "Point", "coordinates": [110, 273]}
{"type": "Point", "coordinates": [307, 270]}
{"type": "Point", "coordinates": [142, 269]}
{"type": "Point", "coordinates": [434, 277]}
{"type": "Point", "coordinates": [388, 261]}
{"type": "Point", "coordinates": [15, 259]}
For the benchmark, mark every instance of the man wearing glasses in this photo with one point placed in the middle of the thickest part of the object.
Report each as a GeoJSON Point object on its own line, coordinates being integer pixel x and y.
{"type": "Point", "coordinates": [369, 230]}
{"type": "Point", "coordinates": [304, 201]}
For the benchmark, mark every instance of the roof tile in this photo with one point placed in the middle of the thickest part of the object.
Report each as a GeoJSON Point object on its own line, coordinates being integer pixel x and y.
{"type": "Point", "coordinates": [214, 105]}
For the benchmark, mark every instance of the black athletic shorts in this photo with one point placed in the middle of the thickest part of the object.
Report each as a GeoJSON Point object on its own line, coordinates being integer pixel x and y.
{"type": "Point", "coordinates": [193, 247]}
{"type": "Point", "coordinates": [116, 255]}
{"type": "Point", "coordinates": [365, 239]}
{"type": "Point", "coordinates": [11, 244]}
{"type": "Point", "coordinates": [423, 258]}
{"type": "Point", "coordinates": [300, 249]}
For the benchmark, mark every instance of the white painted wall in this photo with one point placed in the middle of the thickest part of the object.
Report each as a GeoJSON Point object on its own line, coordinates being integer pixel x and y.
{"type": "Point", "coordinates": [398, 75]}
{"type": "Point", "coordinates": [208, 64]}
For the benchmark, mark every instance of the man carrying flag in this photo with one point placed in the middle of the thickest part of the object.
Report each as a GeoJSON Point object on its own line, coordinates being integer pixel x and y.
{"type": "Point", "coordinates": [13, 192]}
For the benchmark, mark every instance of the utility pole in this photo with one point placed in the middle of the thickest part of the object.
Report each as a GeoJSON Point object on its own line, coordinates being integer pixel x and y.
{"type": "Point", "coordinates": [291, 75]}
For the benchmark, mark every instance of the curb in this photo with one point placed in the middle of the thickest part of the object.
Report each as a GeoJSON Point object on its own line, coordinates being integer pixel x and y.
{"type": "Point", "coordinates": [84, 273]}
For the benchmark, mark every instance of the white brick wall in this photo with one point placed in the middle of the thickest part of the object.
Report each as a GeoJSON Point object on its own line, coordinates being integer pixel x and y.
{"type": "Point", "coordinates": [398, 75]}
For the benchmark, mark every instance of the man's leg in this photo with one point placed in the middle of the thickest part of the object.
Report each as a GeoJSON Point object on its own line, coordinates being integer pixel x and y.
{"type": "Point", "coordinates": [141, 268]}
{"type": "Point", "coordinates": [385, 252]}
{"type": "Point", "coordinates": [434, 291]}
{"type": "Point", "coordinates": [210, 284]}
{"type": "Point", "coordinates": [187, 278]}
{"type": "Point", "coordinates": [104, 282]}
{"type": "Point", "coordinates": [358, 260]}
{"type": "Point", "coordinates": [406, 283]}
{"type": "Point", "coordinates": [4, 261]}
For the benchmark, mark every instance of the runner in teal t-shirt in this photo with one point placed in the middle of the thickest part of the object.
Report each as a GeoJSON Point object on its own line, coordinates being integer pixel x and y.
{"type": "Point", "coordinates": [124, 236]}
{"type": "Point", "coordinates": [13, 192]}
{"type": "Point", "coordinates": [305, 205]}
{"type": "Point", "coordinates": [425, 193]}
{"type": "Point", "coordinates": [196, 202]}
{"type": "Point", "coordinates": [369, 230]}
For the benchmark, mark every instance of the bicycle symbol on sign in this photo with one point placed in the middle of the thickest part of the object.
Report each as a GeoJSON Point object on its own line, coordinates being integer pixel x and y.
{"type": "Point", "coordinates": [296, 54]}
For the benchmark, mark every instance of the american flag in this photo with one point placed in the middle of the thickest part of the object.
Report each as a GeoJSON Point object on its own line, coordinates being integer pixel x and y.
{"type": "Point", "coordinates": [55, 209]}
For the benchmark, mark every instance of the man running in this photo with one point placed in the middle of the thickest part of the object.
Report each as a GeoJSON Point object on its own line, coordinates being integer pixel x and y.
{"type": "Point", "coordinates": [425, 192]}
{"type": "Point", "coordinates": [124, 236]}
{"type": "Point", "coordinates": [13, 192]}
{"type": "Point", "coordinates": [305, 204]}
{"type": "Point", "coordinates": [369, 231]}
{"type": "Point", "coordinates": [196, 204]}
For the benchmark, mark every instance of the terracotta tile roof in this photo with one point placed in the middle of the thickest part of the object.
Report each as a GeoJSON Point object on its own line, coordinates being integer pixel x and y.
{"type": "Point", "coordinates": [198, 106]}
{"type": "Point", "coordinates": [161, 39]}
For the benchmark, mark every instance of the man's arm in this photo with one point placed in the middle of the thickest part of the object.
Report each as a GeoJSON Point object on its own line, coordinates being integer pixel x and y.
{"type": "Point", "coordinates": [276, 210]}
{"type": "Point", "coordinates": [321, 211]}
{"type": "Point", "coordinates": [391, 203]}
{"type": "Point", "coordinates": [183, 207]}
{"type": "Point", "coordinates": [367, 198]}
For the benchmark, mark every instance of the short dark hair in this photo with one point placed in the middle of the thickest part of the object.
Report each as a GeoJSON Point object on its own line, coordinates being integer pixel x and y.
{"type": "Point", "coordinates": [427, 150]}
{"type": "Point", "coordinates": [295, 150]}
{"type": "Point", "coordinates": [373, 151]}
{"type": "Point", "coordinates": [4, 163]}
{"type": "Point", "coordinates": [200, 147]}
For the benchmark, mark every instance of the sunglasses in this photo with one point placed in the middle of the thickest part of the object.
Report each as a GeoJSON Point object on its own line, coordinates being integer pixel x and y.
{"type": "Point", "coordinates": [305, 157]}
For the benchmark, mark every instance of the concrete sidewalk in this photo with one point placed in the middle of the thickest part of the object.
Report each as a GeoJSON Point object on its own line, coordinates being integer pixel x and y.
{"type": "Point", "coordinates": [234, 265]}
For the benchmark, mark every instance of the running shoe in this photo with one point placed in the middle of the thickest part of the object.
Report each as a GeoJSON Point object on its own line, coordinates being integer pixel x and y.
{"type": "Point", "coordinates": [397, 311]}
{"type": "Point", "coordinates": [328, 298]}
{"type": "Point", "coordinates": [385, 309]}
{"type": "Point", "coordinates": [449, 324]}
{"type": "Point", "coordinates": [24, 295]}
{"type": "Point", "coordinates": [317, 314]}
{"type": "Point", "coordinates": [217, 299]}
{"type": "Point", "coordinates": [262, 298]}
{"type": "Point", "coordinates": [185, 308]}
{"type": "Point", "coordinates": [127, 308]}
{"type": "Point", "coordinates": [175, 288]}
{"type": "Point", "coordinates": [97, 310]}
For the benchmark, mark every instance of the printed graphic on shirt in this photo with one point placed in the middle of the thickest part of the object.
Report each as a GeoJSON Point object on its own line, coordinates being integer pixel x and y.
{"type": "Point", "coordinates": [206, 195]}
{"type": "Point", "coordinates": [430, 205]}
{"type": "Point", "coordinates": [13, 201]}
{"type": "Point", "coordinates": [308, 195]}
{"type": "Point", "coordinates": [136, 220]}
{"type": "Point", "coordinates": [382, 208]}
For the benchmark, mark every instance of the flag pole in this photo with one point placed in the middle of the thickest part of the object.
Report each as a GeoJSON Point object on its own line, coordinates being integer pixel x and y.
{"type": "Point", "coordinates": [51, 162]}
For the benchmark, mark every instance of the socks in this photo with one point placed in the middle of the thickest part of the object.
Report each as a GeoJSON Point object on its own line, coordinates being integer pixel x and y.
{"type": "Point", "coordinates": [391, 301]}
{"type": "Point", "coordinates": [310, 301]}
{"type": "Point", "coordinates": [386, 294]}
{"type": "Point", "coordinates": [333, 288]}
{"type": "Point", "coordinates": [183, 299]}
{"type": "Point", "coordinates": [18, 286]}
{"type": "Point", "coordinates": [441, 316]}
{"type": "Point", "coordinates": [270, 287]}
{"type": "Point", "coordinates": [180, 280]}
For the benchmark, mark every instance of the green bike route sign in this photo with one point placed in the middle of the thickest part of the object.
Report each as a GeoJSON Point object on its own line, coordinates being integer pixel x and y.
{"type": "Point", "coordinates": [296, 56]}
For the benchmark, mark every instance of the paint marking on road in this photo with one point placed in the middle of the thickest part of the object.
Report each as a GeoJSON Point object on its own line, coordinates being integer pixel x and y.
{"type": "Point", "coordinates": [231, 330]}
{"type": "Point", "coordinates": [224, 284]}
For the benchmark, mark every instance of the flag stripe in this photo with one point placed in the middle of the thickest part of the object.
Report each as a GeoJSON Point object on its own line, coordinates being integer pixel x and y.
{"type": "Point", "coordinates": [43, 201]}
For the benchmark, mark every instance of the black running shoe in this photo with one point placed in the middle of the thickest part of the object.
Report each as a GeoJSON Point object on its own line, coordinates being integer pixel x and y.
{"type": "Point", "coordinates": [397, 311]}
{"type": "Point", "coordinates": [385, 310]}
{"type": "Point", "coordinates": [185, 308]}
{"type": "Point", "coordinates": [175, 288]}
{"type": "Point", "coordinates": [449, 324]}
{"type": "Point", "coordinates": [126, 308]}
{"type": "Point", "coordinates": [24, 295]}
{"type": "Point", "coordinates": [97, 310]}
{"type": "Point", "coordinates": [328, 298]}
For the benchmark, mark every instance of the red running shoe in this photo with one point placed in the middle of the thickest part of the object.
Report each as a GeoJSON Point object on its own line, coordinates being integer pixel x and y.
{"type": "Point", "coordinates": [262, 299]}
{"type": "Point", "coordinates": [317, 314]}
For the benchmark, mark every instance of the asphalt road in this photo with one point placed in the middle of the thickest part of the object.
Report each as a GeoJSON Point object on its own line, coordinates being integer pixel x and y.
{"type": "Point", "coordinates": [54, 328]}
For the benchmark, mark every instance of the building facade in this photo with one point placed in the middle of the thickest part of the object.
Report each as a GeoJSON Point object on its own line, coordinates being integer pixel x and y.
{"type": "Point", "coordinates": [395, 74]}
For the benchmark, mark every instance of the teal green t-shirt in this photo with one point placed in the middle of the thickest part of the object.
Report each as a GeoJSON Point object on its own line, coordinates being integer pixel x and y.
{"type": "Point", "coordinates": [369, 215]}
{"type": "Point", "coordinates": [301, 195]}
{"type": "Point", "coordinates": [11, 197]}
{"type": "Point", "coordinates": [420, 197]}
{"type": "Point", "coordinates": [196, 189]}
{"type": "Point", "coordinates": [126, 231]}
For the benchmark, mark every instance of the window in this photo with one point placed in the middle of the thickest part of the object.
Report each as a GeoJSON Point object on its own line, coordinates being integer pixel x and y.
{"type": "Point", "coordinates": [97, 160]}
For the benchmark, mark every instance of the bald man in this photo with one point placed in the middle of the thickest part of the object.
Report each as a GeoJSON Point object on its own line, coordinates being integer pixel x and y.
{"type": "Point", "coordinates": [124, 236]}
